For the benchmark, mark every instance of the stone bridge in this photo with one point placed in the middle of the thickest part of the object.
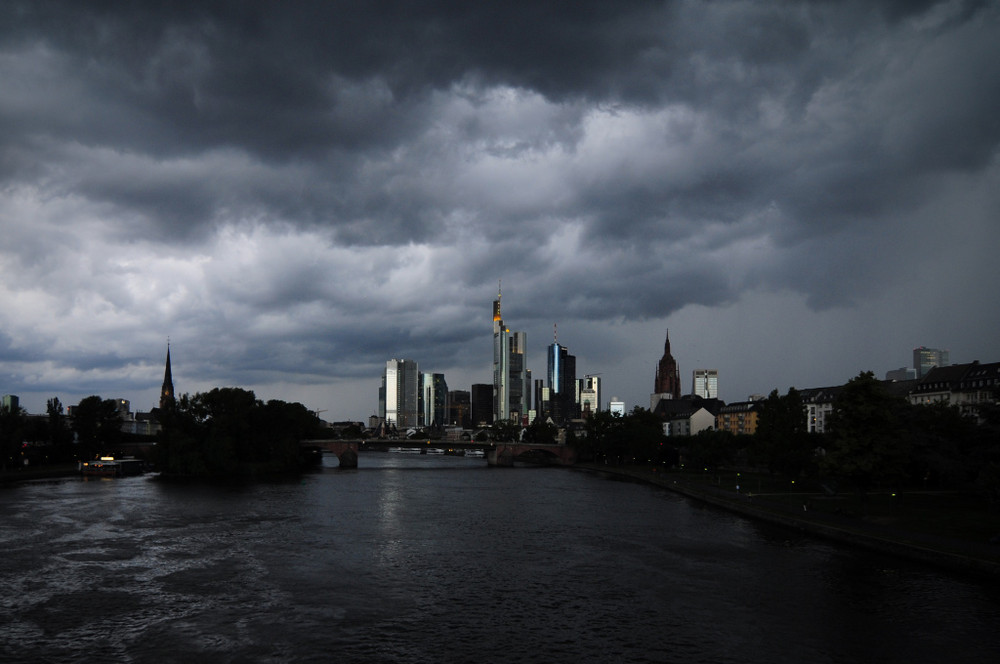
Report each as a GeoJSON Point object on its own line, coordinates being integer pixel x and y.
{"type": "Point", "coordinates": [497, 454]}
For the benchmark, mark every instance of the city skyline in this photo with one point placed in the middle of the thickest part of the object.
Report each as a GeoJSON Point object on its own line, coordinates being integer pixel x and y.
{"type": "Point", "coordinates": [799, 192]}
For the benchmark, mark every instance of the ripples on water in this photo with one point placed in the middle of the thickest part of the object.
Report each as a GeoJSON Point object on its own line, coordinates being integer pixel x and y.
{"type": "Point", "coordinates": [439, 559]}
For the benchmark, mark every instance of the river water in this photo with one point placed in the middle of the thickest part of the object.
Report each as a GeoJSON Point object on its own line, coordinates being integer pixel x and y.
{"type": "Point", "coordinates": [440, 559]}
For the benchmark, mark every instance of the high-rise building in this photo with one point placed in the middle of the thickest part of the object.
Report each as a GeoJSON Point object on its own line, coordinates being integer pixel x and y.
{"type": "Point", "coordinates": [11, 403]}
{"type": "Point", "coordinates": [434, 399]}
{"type": "Point", "coordinates": [668, 381]}
{"type": "Point", "coordinates": [925, 359]}
{"type": "Point", "coordinates": [482, 404]}
{"type": "Point", "coordinates": [401, 387]}
{"type": "Point", "coordinates": [167, 400]}
{"type": "Point", "coordinates": [501, 364]}
{"type": "Point", "coordinates": [562, 383]}
{"type": "Point", "coordinates": [460, 408]}
{"type": "Point", "coordinates": [705, 383]}
{"type": "Point", "coordinates": [590, 396]}
{"type": "Point", "coordinates": [902, 373]}
{"type": "Point", "coordinates": [519, 380]}
{"type": "Point", "coordinates": [616, 406]}
{"type": "Point", "coordinates": [511, 378]}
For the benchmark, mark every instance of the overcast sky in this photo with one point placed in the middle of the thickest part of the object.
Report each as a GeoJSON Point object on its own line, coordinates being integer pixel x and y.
{"type": "Point", "coordinates": [296, 192]}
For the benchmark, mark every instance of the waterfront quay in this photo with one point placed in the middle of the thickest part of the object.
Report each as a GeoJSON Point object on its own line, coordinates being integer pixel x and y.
{"type": "Point", "coordinates": [931, 527]}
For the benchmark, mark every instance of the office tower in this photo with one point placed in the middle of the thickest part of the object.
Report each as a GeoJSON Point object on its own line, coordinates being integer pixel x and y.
{"type": "Point", "coordinates": [616, 406]}
{"type": "Point", "coordinates": [667, 381]}
{"type": "Point", "coordinates": [902, 373]}
{"type": "Point", "coordinates": [511, 378]}
{"type": "Point", "coordinates": [590, 396]}
{"type": "Point", "coordinates": [519, 376]}
{"type": "Point", "coordinates": [460, 408]}
{"type": "Point", "coordinates": [705, 383]}
{"type": "Point", "coordinates": [11, 403]}
{"type": "Point", "coordinates": [434, 399]}
{"type": "Point", "coordinates": [501, 364]}
{"type": "Point", "coordinates": [561, 382]}
{"type": "Point", "coordinates": [482, 404]}
{"type": "Point", "coordinates": [924, 359]}
{"type": "Point", "coordinates": [402, 393]}
{"type": "Point", "coordinates": [167, 400]}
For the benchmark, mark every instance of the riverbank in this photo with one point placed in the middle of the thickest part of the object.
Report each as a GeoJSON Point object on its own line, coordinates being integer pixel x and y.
{"type": "Point", "coordinates": [981, 557]}
{"type": "Point", "coordinates": [39, 473]}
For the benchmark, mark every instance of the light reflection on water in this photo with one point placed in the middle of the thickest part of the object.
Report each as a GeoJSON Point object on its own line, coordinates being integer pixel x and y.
{"type": "Point", "coordinates": [439, 559]}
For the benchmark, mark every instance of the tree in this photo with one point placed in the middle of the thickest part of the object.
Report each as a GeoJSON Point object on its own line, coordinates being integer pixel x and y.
{"type": "Point", "coordinates": [228, 432]}
{"type": "Point", "coordinates": [633, 438]}
{"type": "Point", "coordinates": [541, 432]}
{"type": "Point", "coordinates": [868, 445]}
{"type": "Point", "coordinates": [506, 431]}
{"type": "Point", "coordinates": [97, 425]}
{"type": "Point", "coordinates": [782, 442]}
{"type": "Point", "coordinates": [59, 433]}
{"type": "Point", "coordinates": [11, 436]}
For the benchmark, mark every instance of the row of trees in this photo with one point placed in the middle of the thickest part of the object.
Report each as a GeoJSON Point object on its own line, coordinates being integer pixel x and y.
{"type": "Point", "coordinates": [228, 432]}
{"type": "Point", "coordinates": [58, 438]}
{"type": "Point", "coordinates": [874, 439]}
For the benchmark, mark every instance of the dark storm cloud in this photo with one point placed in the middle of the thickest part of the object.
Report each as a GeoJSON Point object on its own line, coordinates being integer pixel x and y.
{"type": "Point", "coordinates": [318, 186]}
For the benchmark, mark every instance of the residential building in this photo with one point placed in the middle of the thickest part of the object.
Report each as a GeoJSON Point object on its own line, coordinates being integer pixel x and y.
{"type": "Point", "coordinates": [739, 418]}
{"type": "Point", "coordinates": [688, 423]}
{"type": "Point", "coordinates": [687, 415]}
{"type": "Point", "coordinates": [967, 386]}
{"type": "Point", "coordinates": [818, 404]}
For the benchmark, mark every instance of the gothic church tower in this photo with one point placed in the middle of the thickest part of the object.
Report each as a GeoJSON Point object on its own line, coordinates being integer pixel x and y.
{"type": "Point", "coordinates": [167, 391]}
{"type": "Point", "coordinates": [668, 379]}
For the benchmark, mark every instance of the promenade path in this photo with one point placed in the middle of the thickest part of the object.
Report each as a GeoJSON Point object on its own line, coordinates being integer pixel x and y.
{"type": "Point", "coordinates": [964, 555]}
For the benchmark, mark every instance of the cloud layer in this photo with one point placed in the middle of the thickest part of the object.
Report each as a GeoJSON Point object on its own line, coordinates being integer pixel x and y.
{"type": "Point", "coordinates": [296, 193]}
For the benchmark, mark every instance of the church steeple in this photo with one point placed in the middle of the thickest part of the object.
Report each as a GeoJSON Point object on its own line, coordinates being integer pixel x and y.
{"type": "Point", "coordinates": [167, 391]}
{"type": "Point", "coordinates": [668, 380]}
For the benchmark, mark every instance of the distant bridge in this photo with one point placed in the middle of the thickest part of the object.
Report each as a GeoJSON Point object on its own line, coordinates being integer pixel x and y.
{"type": "Point", "coordinates": [497, 454]}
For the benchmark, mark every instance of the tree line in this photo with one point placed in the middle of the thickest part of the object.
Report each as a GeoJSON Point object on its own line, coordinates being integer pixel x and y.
{"type": "Point", "coordinates": [226, 432]}
{"type": "Point", "coordinates": [873, 440]}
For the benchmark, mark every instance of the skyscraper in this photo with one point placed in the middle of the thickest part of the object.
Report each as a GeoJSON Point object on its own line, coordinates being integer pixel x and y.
{"type": "Point", "coordinates": [434, 399]}
{"type": "Point", "coordinates": [401, 386]}
{"type": "Point", "coordinates": [925, 359]}
{"type": "Point", "coordinates": [668, 382]}
{"type": "Point", "coordinates": [519, 382]}
{"type": "Point", "coordinates": [482, 404]}
{"type": "Point", "coordinates": [511, 378]}
{"type": "Point", "coordinates": [590, 396]}
{"type": "Point", "coordinates": [705, 383]}
{"type": "Point", "coordinates": [501, 364]}
{"type": "Point", "coordinates": [561, 381]}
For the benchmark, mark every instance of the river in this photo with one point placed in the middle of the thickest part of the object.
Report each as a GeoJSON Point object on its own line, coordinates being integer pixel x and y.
{"type": "Point", "coordinates": [415, 558]}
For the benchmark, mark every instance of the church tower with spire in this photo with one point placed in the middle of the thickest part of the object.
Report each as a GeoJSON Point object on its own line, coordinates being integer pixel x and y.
{"type": "Point", "coordinates": [167, 391]}
{"type": "Point", "coordinates": [668, 380]}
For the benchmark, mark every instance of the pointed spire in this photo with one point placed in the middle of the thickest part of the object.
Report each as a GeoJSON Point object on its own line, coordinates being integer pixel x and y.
{"type": "Point", "coordinates": [167, 390]}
